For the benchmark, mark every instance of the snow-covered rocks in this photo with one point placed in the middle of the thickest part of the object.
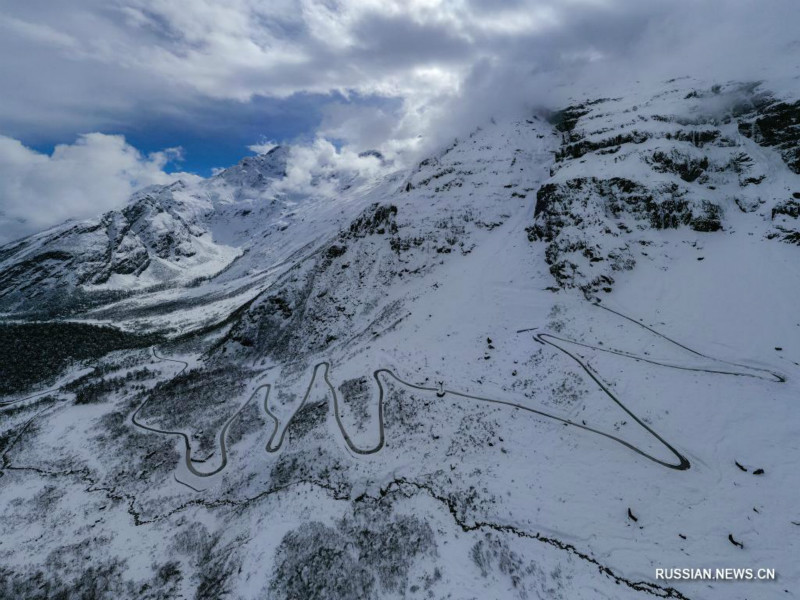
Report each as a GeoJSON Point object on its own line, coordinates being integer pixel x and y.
{"type": "Point", "coordinates": [677, 159]}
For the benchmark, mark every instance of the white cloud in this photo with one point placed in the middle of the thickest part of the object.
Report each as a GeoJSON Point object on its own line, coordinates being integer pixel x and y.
{"type": "Point", "coordinates": [320, 168]}
{"type": "Point", "coordinates": [262, 147]}
{"type": "Point", "coordinates": [96, 173]}
{"type": "Point", "coordinates": [37, 32]}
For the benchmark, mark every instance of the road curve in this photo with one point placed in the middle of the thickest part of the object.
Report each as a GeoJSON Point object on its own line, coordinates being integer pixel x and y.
{"type": "Point", "coordinates": [271, 447]}
{"type": "Point", "coordinates": [682, 465]}
{"type": "Point", "coordinates": [773, 376]}
{"type": "Point", "coordinates": [184, 437]}
{"type": "Point", "coordinates": [683, 462]}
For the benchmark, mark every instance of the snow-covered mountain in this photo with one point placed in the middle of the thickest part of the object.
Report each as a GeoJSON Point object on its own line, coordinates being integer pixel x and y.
{"type": "Point", "coordinates": [552, 357]}
{"type": "Point", "coordinates": [675, 160]}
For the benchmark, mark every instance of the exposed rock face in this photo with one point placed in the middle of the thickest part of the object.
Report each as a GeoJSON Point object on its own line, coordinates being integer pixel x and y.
{"type": "Point", "coordinates": [676, 160]}
{"type": "Point", "coordinates": [785, 219]}
{"type": "Point", "coordinates": [572, 218]}
{"type": "Point", "coordinates": [774, 124]}
{"type": "Point", "coordinates": [149, 227]}
{"type": "Point", "coordinates": [155, 232]}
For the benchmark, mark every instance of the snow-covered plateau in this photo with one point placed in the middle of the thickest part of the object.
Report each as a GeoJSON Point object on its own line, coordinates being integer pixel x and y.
{"type": "Point", "coordinates": [555, 356]}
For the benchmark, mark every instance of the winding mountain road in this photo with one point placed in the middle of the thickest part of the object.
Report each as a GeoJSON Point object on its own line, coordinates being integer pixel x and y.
{"type": "Point", "coordinates": [186, 442]}
{"type": "Point", "coordinates": [682, 464]}
{"type": "Point", "coordinates": [545, 338]}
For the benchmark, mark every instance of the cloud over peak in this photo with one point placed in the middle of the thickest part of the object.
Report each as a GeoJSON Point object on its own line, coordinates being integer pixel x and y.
{"type": "Point", "coordinates": [96, 173]}
{"type": "Point", "coordinates": [399, 76]}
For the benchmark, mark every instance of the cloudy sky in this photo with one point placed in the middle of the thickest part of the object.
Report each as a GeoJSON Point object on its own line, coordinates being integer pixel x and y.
{"type": "Point", "coordinates": [99, 97]}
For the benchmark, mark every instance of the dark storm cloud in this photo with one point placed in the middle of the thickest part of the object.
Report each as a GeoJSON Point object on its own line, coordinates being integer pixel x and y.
{"type": "Point", "coordinates": [396, 42]}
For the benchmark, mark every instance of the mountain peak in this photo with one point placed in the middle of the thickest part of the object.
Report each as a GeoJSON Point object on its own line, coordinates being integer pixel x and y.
{"type": "Point", "coordinates": [255, 171]}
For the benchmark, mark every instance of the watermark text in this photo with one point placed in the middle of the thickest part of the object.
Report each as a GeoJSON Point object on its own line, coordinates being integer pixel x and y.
{"type": "Point", "coordinates": [716, 574]}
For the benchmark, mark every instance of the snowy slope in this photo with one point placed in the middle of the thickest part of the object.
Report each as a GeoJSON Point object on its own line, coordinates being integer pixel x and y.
{"type": "Point", "coordinates": [558, 354]}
